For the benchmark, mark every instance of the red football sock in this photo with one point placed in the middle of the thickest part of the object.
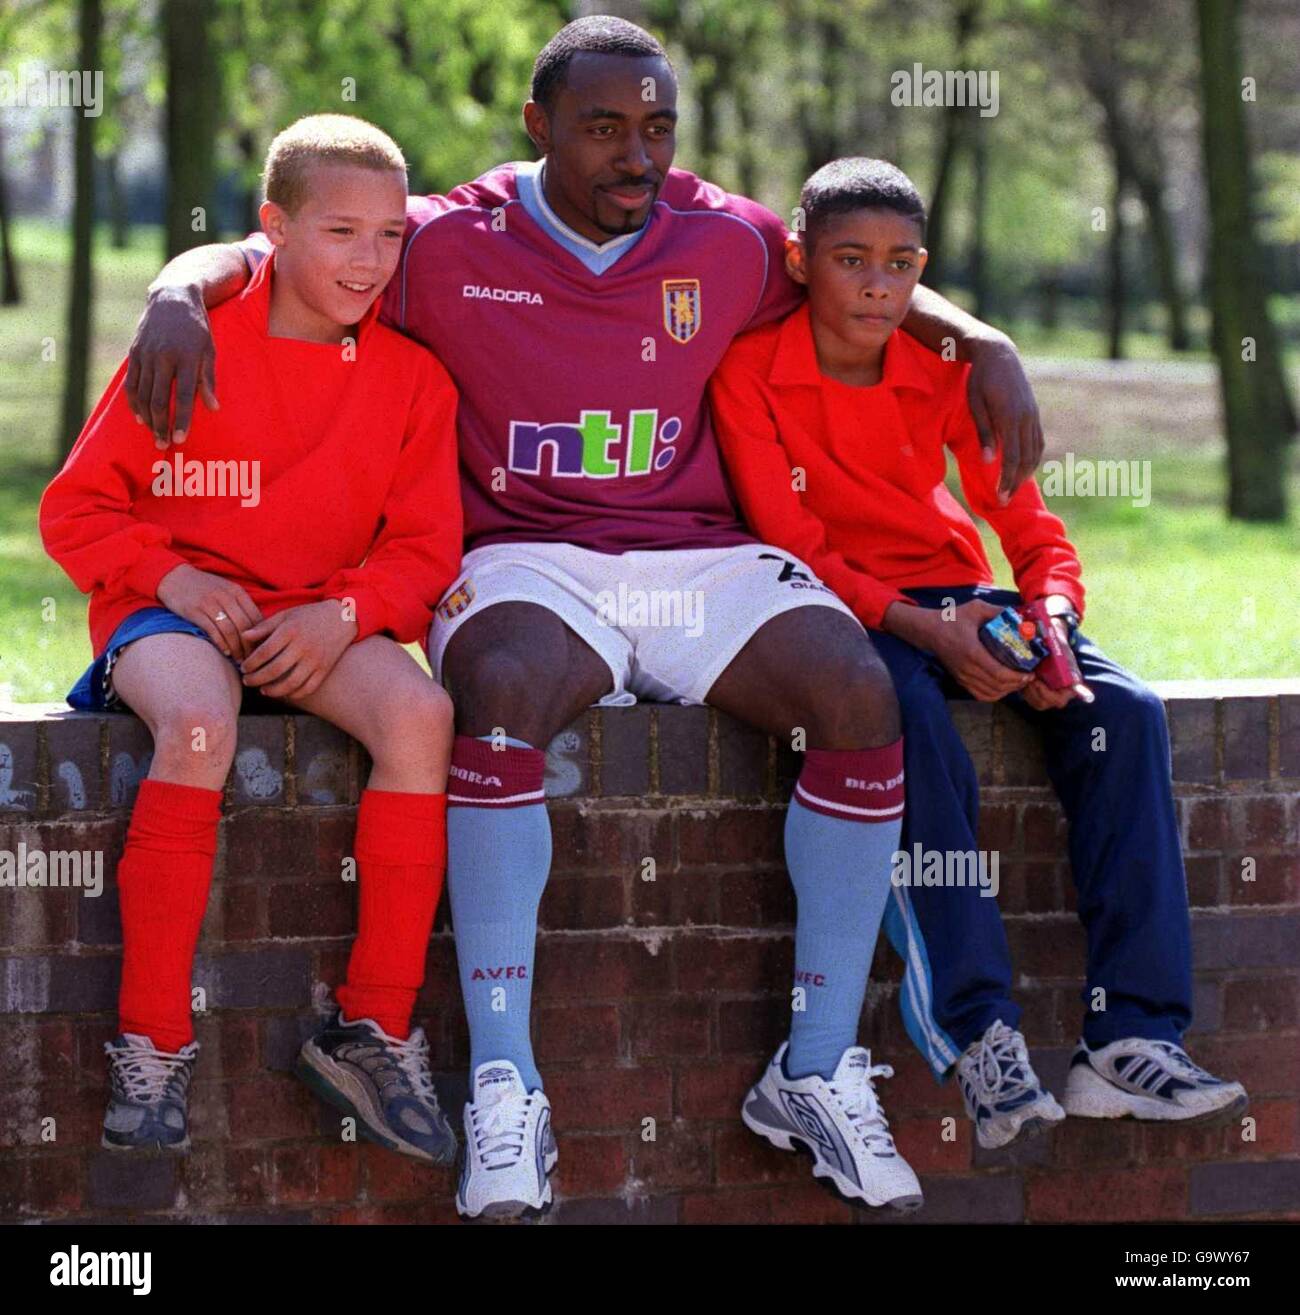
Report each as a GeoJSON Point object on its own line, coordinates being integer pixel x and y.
{"type": "Point", "coordinates": [401, 849]}
{"type": "Point", "coordinates": [162, 882]}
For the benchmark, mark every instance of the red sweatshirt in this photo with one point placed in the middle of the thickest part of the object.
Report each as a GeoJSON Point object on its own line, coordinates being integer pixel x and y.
{"type": "Point", "coordinates": [351, 462]}
{"type": "Point", "coordinates": [872, 516]}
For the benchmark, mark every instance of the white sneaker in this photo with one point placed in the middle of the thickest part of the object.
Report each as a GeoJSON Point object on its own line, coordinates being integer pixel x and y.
{"type": "Point", "coordinates": [841, 1122]}
{"type": "Point", "coordinates": [509, 1146]}
{"type": "Point", "coordinates": [1143, 1079]}
{"type": "Point", "coordinates": [1002, 1093]}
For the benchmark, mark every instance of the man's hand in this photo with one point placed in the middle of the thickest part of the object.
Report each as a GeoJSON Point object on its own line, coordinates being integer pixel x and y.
{"type": "Point", "coordinates": [297, 648]}
{"type": "Point", "coordinates": [1002, 404]}
{"type": "Point", "coordinates": [956, 644]}
{"type": "Point", "coordinates": [1037, 693]}
{"type": "Point", "coordinates": [220, 608]}
{"type": "Point", "coordinates": [172, 343]}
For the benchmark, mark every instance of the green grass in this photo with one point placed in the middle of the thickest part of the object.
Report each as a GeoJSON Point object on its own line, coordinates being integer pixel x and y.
{"type": "Point", "coordinates": [1168, 584]}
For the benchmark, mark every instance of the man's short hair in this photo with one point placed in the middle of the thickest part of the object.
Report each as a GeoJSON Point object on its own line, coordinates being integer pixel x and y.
{"type": "Point", "coordinates": [858, 183]}
{"type": "Point", "coordinates": [325, 139]}
{"type": "Point", "coordinates": [597, 34]}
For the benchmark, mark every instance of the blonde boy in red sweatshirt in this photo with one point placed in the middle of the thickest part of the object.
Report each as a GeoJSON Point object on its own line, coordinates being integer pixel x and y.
{"type": "Point", "coordinates": [302, 536]}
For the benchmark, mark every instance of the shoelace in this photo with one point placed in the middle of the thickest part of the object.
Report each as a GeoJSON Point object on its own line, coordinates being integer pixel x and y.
{"type": "Point", "coordinates": [145, 1074]}
{"type": "Point", "coordinates": [859, 1101]}
{"type": "Point", "coordinates": [392, 1063]}
{"type": "Point", "coordinates": [1004, 1081]}
{"type": "Point", "coordinates": [499, 1130]}
{"type": "Point", "coordinates": [412, 1058]}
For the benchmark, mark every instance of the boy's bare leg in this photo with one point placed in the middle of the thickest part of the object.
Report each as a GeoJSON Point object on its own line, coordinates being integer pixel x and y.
{"type": "Point", "coordinates": [188, 696]}
{"type": "Point", "coordinates": [380, 695]}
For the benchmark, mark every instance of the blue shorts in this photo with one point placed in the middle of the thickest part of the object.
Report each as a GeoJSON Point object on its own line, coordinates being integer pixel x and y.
{"type": "Point", "coordinates": [94, 691]}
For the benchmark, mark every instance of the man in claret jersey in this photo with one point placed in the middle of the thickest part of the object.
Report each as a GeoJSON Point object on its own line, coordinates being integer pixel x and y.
{"type": "Point", "coordinates": [581, 302]}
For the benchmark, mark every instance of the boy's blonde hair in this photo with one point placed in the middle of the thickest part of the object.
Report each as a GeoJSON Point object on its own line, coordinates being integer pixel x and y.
{"type": "Point", "coordinates": [327, 139]}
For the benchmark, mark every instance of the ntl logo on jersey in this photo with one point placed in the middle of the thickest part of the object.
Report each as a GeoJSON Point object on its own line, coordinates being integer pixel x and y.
{"type": "Point", "coordinates": [584, 450]}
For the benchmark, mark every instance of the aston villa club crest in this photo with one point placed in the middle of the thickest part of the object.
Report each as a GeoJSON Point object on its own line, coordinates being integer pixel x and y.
{"type": "Point", "coordinates": [682, 308]}
{"type": "Point", "coordinates": [456, 601]}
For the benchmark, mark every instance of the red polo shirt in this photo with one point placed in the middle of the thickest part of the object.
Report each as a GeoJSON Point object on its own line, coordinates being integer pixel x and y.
{"type": "Point", "coordinates": [852, 479]}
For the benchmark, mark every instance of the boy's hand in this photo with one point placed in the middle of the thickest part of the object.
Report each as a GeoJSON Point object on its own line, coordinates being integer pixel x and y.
{"type": "Point", "coordinates": [1003, 406]}
{"type": "Point", "coordinates": [956, 644]}
{"type": "Point", "coordinates": [220, 608]}
{"type": "Point", "coordinates": [1042, 696]}
{"type": "Point", "coordinates": [296, 649]}
{"type": "Point", "coordinates": [172, 343]}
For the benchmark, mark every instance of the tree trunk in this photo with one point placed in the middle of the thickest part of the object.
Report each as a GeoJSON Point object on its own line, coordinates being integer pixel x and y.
{"type": "Point", "coordinates": [1115, 289]}
{"type": "Point", "coordinates": [80, 299]}
{"type": "Point", "coordinates": [1255, 405]}
{"type": "Point", "coordinates": [117, 215]}
{"type": "Point", "coordinates": [192, 97]}
{"type": "Point", "coordinates": [953, 139]}
{"type": "Point", "coordinates": [1150, 184]}
{"type": "Point", "coordinates": [10, 290]}
{"type": "Point", "coordinates": [979, 229]}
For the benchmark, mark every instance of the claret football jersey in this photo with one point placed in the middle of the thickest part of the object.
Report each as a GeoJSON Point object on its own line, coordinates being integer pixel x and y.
{"type": "Point", "coordinates": [582, 368]}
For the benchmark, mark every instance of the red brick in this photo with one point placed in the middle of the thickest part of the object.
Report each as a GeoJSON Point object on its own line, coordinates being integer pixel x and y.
{"type": "Point", "coordinates": [788, 1204]}
{"type": "Point", "coordinates": [681, 1155]}
{"type": "Point", "coordinates": [734, 963]}
{"type": "Point", "coordinates": [755, 899]}
{"type": "Point", "coordinates": [1276, 879]}
{"type": "Point", "coordinates": [1207, 824]}
{"type": "Point", "coordinates": [604, 968]}
{"type": "Point", "coordinates": [997, 829]}
{"type": "Point", "coordinates": [610, 1098]}
{"type": "Point", "coordinates": [1260, 1004]}
{"type": "Point", "coordinates": [1108, 1197]}
{"type": "Point", "coordinates": [265, 1108]}
{"type": "Point", "coordinates": [744, 1158]}
{"type": "Point", "coordinates": [243, 916]}
{"type": "Point", "coordinates": [1044, 829]}
{"type": "Point", "coordinates": [675, 899]}
{"type": "Point", "coordinates": [389, 1176]}
{"type": "Point", "coordinates": [1259, 822]}
{"type": "Point", "coordinates": [669, 1027]}
{"type": "Point", "coordinates": [1027, 886]}
{"type": "Point", "coordinates": [714, 1091]}
{"type": "Point", "coordinates": [1264, 1065]}
{"type": "Point", "coordinates": [576, 1032]}
{"type": "Point", "coordinates": [609, 841]}
{"type": "Point", "coordinates": [753, 1027]}
{"type": "Point", "coordinates": [314, 908]}
{"type": "Point", "coordinates": [55, 1185]}
{"type": "Point", "coordinates": [1046, 949]}
{"type": "Point", "coordinates": [238, 1045]}
{"type": "Point", "coordinates": [1204, 885]}
{"type": "Point", "coordinates": [591, 1166]}
{"type": "Point", "coordinates": [248, 1178]}
{"type": "Point", "coordinates": [1090, 1143]}
{"type": "Point", "coordinates": [931, 1146]}
{"type": "Point", "coordinates": [732, 836]}
{"type": "Point", "coordinates": [1276, 1130]}
{"type": "Point", "coordinates": [1177, 1142]}
{"type": "Point", "coordinates": [576, 903]}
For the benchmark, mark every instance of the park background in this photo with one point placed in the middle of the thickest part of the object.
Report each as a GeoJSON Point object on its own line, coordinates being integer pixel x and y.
{"type": "Point", "coordinates": [1138, 186]}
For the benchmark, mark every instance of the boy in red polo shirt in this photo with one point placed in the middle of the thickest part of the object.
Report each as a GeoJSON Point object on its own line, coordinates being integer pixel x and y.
{"type": "Point", "coordinates": [299, 539]}
{"type": "Point", "coordinates": [836, 425]}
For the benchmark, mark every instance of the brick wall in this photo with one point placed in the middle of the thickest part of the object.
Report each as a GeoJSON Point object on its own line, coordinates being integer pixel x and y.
{"type": "Point", "coordinates": [654, 999]}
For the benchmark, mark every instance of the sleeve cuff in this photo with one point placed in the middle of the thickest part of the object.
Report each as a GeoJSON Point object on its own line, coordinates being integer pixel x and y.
{"type": "Point", "coordinates": [147, 571]}
{"type": "Point", "coordinates": [368, 610]}
{"type": "Point", "coordinates": [872, 610]}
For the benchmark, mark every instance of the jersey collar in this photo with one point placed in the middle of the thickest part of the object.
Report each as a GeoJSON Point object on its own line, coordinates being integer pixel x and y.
{"type": "Point", "coordinates": [795, 359]}
{"type": "Point", "coordinates": [597, 257]}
